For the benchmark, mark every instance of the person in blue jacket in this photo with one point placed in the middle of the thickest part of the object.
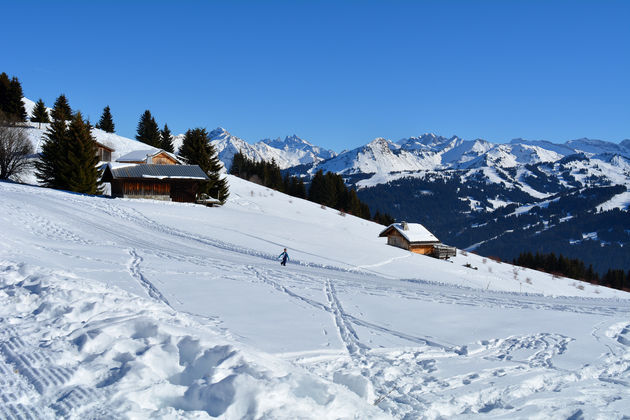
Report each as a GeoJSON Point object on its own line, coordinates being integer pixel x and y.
{"type": "Point", "coordinates": [284, 256]}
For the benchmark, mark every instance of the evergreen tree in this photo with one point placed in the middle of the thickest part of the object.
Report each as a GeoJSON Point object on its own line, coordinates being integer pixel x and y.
{"type": "Point", "coordinates": [15, 97]}
{"type": "Point", "coordinates": [5, 87]}
{"type": "Point", "coordinates": [297, 187]}
{"type": "Point", "coordinates": [239, 165]}
{"type": "Point", "coordinates": [11, 95]}
{"type": "Point", "coordinates": [317, 190]}
{"type": "Point", "coordinates": [166, 140]}
{"type": "Point", "coordinates": [106, 123]}
{"type": "Point", "coordinates": [40, 113]}
{"type": "Point", "coordinates": [51, 165]}
{"type": "Point", "coordinates": [61, 109]}
{"type": "Point", "coordinates": [83, 175]}
{"type": "Point", "coordinates": [148, 130]}
{"type": "Point", "coordinates": [68, 159]}
{"type": "Point", "coordinates": [197, 150]}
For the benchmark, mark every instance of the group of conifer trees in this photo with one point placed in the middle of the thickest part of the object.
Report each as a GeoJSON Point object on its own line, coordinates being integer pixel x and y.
{"type": "Point", "coordinates": [68, 157]}
{"type": "Point", "coordinates": [573, 268]}
{"type": "Point", "coordinates": [149, 132]}
{"type": "Point", "coordinates": [267, 174]}
{"type": "Point", "coordinates": [326, 189]}
{"type": "Point", "coordinates": [11, 106]}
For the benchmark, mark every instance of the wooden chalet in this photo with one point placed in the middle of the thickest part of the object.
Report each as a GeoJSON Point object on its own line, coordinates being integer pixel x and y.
{"type": "Point", "coordinates": [156, 157]}
{"type": "Point", "coordinates": [160, 182]}
{"type": "Point", "coordinates": [416, 238]}
{"type": "Point", "coordinates": [103, 152]}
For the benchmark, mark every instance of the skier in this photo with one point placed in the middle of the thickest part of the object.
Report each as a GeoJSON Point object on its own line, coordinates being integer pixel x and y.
{"type": "Point", "coordinates": [284, 257]}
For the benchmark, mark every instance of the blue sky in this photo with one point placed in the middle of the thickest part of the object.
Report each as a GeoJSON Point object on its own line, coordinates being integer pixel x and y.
{"type": "Point", "coordinates": [335, 73]}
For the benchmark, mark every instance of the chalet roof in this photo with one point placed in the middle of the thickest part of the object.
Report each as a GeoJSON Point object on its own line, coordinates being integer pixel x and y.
{"type": "Point", "coordinates": [144, 155]}
{"type": "Point", "coordinates": [155, 171]}
{"type": "Point", "coordinates": [415, 232]}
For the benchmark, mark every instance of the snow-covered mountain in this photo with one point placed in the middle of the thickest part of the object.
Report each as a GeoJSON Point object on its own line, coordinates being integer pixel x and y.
{"type": "Point", "coordinates": [287, 152]}
{"type": "Point", "coordinates": [386, 160]}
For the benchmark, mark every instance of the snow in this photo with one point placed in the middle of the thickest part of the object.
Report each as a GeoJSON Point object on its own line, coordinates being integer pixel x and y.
{"type": "Point", "coordinates": [136, 156]}
{"type": "Point", "coordinates": [289, 152]}
{"type": "Point", "coordinates": [144, 309]}
{"type": "Point", "coordinates": [414, 232]}
{"type": "Point", "coordinates": [619, 201]}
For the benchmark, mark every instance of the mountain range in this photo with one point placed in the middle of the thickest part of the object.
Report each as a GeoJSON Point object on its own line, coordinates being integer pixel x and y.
{"type": "Point", "coordinates": [495, 199]}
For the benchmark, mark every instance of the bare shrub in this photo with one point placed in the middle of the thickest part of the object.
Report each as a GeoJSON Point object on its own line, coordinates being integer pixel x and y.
{"type": "Point", "coordinates": [15, 149]}
{"type": "Point", "coordinates": [528, 280]}
{"type": "Point", "coordinates": [485, 261]}
{"type": "Point", "coordinates": [580, 286]}
{"type": "Point", "coordinates": [323, 207]}
{"type": "Point", "coordinates": [341, 213]}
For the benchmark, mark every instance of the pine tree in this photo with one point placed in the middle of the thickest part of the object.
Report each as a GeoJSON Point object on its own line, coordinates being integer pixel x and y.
{"type": "Point", "coordinates": [15, 97]}
{"type": "Point", "coordinates": [197, 150]}
{"type": "Point", "coordinates": [106, 123]}
{"type": "Point", "coordinates": [166, 139]}
{"type": "Point", "coordinates": [61, 109]}
{"type": "Point", "coordinates": [11, 95]}
{"type": "Point", "coordinates": [53, 157]}
{"type": "Point", "coordinates": [5, 87]}
{"type": "Point", "coordinates": [317, 190]}
{"type": "Point", "coordinates": [239, 165]}
{"type": "Point", "coordinates": [148, 130]}
{"type": "Point", "coordinates": [40, 113]}
{"type": "Point", "coordinates": [83, 175]}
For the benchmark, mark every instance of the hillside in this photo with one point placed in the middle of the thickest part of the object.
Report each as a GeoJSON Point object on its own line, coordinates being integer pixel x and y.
{"type": "Point", "coordinates": [141, 308]}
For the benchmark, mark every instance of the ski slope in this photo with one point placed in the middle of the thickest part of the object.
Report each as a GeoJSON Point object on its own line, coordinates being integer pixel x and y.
{"type": "Point", "coordinates": [143, 309]}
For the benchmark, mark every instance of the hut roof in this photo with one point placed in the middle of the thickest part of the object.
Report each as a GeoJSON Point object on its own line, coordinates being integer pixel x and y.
{"type": "Point", "coordinates": [155, 171]}
{"type": "Point", "coordinates": [145, 156]}
{"type": "Point", "coordinates": [414, 232]}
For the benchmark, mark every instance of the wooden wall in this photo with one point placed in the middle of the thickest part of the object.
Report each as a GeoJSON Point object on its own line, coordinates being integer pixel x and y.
{"type": "Point", "coordinates": [421, 249]}
{"type": "Point", "coordinates": [163, 159]}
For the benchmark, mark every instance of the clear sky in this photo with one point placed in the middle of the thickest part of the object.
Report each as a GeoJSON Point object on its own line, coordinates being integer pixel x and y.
{"type": "Point", "coordinates": [336, 73]}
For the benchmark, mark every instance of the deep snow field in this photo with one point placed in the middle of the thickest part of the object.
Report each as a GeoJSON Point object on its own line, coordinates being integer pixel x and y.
{"type": "Point", "coordinates": [118, 308]}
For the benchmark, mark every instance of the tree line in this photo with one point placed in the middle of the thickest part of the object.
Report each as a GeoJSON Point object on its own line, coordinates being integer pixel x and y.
{"type": "Point", "coordinates": [326, 189]}
{"type": "Point", "coordinates": [268, 174]}
{"type": "Point", "coordinates": [573, 268]}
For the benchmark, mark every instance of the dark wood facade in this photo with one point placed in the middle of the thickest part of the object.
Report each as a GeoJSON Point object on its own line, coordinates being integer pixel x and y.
{"type": "Point", "coordinates": [180, 190]}
{"type": "Point", "coordinates": [179, 183]}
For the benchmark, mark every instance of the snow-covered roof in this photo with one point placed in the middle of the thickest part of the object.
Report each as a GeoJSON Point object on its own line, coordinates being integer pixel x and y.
{"type": "Point", "coordinates": [412, 232]}
{"type": "Point", "coordinates": [144, 155]}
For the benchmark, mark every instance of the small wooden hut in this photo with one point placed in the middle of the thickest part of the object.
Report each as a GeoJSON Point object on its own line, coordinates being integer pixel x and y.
{"type": "Point", "coordinates": [410, 236]}
{"type": "Point", "coordinates": [160, 182]}
{"type": "Point", "coordinates": [416, 238]}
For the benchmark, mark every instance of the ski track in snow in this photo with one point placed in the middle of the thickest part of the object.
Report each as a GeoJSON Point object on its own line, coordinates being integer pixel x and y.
{"type": "Point", "coordinates": [136, 273]}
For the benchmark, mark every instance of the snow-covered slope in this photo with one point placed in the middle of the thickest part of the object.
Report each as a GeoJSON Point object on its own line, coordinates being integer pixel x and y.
{"type": "Point", "coordinates": [123, 308]}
